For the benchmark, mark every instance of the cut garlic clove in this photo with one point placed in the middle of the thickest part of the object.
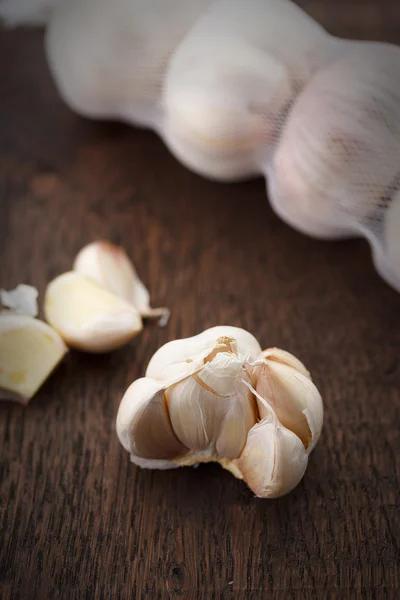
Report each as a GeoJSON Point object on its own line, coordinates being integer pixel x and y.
{"type": "Point", "coordinates": [22, 299]}
{"type": "Point", "coordinates": [110, 266]}
{"type": "Point", "coordinates": [181, 352]}
{"type": "Point", "coordinates": [144, 428]}
{"type": "Point", "coordinates": [294, 398]}
{"type": "Point", "coordinates": [29, 351]}
{"type": "Point", "coordinates": [89, 317]}
{"type": "Point", "coordinates": [274, 459]}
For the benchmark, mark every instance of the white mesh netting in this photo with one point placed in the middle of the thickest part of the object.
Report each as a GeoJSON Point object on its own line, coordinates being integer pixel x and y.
{"type": "Point", "coordinates": [238, 88]}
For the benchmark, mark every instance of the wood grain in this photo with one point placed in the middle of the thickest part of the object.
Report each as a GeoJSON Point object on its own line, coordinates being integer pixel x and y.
{"type": "Point", "coordinates": [77, 520]}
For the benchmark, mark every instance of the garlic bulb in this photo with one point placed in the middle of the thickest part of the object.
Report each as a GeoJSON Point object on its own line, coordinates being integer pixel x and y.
{"type": "Point", "coordinates": [216, 397]}
{"type": "Point", "coordinates": [231, 81]}
{"type": "Point", "coordinates": [355, 126]}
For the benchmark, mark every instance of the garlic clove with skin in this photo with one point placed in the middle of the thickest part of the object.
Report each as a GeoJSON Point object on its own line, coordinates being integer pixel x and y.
{"type": "Point", "coordinates": [29, 351]}
{"type": "Point", "coordinates": [87, 316]}
{"type": "Point", "coordinates": [284, 357]}
{"type": "Point", "coordinates": [144, 427]}
{"type": "Point", "coordinates": [274, 459]}
{"type": "Point", "coordinates": [211, 411]}
{"type": "Point", "coordinates": [293, 397]}
{"type": "Point", "coordinates": [110, 266]}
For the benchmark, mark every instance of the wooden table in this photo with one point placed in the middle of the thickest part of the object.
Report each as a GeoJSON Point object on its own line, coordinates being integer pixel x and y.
{"type": "Point", "coordinates": [78, 521]}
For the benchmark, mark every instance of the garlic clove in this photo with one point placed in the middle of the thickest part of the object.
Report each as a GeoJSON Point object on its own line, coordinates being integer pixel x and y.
{"type": "Point", "coordinates": [240, 416]}
{"type": "Point", "coordinates": [89, 317]}
{"type": "Point", "coordinates": [274, 459]}
{"type": "Point", "coordinates": [110, 266]}
{"type": "Point", "coordinates": [281, 356]}
{"type": "Point", "coordinates": [293, 397]}
{"type": "Point", "coordinates": [29, 352]}
{"type": "Point", "coordinates": [177, 354]}
{"type": "Point", "coordinates": [212, 410]}
{"type": "Point", "coordinates": [22, 299]}
{"type": "Point", "coordinates": [144, 428]}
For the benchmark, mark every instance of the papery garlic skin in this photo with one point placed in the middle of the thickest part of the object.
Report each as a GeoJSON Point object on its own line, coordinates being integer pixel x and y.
{"type": "Point", "coordinates": [22, 299]}
{"type": "Point", "coordinates": [29, 351]}
{"type": "Point", "coordinates": [109, 266]}
{"type": "Point", "coordinates": [177, 356]}
{"type": "Point", "coordinates": [221, 399]}
{"type": "Point", "coordinates": [87, 316]}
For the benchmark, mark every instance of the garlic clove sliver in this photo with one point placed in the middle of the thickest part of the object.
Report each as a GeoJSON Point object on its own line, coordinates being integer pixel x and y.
{"type": "Point", "coordinates": [281, 356]}
{"type": "Point", "coordinates": [29, 351]}
{"type": "Point", "coordinates": [110, 266]}
{"type": "Point", "coordinates": [274, 459]}
{"type": "Point", "coordinates": [87, 316]}
{"type": "Point", "coordinates": [294, 398]}
{"type": "Point", "coordinates": [227, 338]}
{"type": "Point", "coordinates": [22, 299]}
{"type": "Point", "coordinates": [143, 424]}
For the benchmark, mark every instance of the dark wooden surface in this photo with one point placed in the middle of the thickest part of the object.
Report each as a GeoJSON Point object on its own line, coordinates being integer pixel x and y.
{"type": "Point", "coordinates": [77, 520]}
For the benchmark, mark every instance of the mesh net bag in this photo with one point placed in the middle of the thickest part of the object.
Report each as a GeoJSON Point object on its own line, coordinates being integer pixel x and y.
{"type": "Point", "coordinates": [238, 88]}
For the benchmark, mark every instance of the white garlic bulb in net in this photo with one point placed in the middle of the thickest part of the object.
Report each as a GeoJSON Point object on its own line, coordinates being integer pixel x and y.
{"type": "Point", "coordinates": [239, 88]}
{"type": "Point", "coordinates": [336, 171]}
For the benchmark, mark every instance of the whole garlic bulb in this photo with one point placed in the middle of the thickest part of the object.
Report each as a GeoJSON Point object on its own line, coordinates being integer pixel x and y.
{"type": "Point", "coordinates": [217, 397]}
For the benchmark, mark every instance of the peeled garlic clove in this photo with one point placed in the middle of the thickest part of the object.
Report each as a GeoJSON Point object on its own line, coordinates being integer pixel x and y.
{"type": "Point", "coordinates": [293, 397]}
{"type": "Point", "coordinates": [144, 428]}
{"type": "Point", "coordinates": [29, 351]}
{"type": "Point", "coordinates": [22, 299]}
{"type": "Point", "coordinates": [274, 459]}
{"type": "Point", "coordinates": [179, 353]}
{"type": "Point", "coordinates": [88, 316]}
{"type": "Point", "coordinates": [110, 266]}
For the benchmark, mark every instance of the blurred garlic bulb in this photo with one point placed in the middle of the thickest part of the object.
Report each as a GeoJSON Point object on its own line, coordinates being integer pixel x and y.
{"type": "Point", "coordinates": [238, 88]}
{"type": "Point", "coordinates": [108, 59]}
{"type": "Point", "coordinates": [340, 148]}
{"type": "Point", "coordinates": [231, 80]}
{"type": "Point", "coordinates": [216, 397]}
